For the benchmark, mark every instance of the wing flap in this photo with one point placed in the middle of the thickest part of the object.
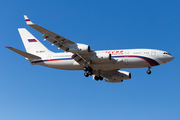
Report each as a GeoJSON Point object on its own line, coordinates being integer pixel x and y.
{"type": "Point", "coordinates": [60, 45]}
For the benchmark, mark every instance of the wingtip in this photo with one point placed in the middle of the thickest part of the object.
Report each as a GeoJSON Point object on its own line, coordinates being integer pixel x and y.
{"type": "Point", "coordinates": [25, 17]}
{"type": "Point", "coordinates": [28, 21]}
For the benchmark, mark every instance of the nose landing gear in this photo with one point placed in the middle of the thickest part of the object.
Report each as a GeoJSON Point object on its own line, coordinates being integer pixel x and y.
{"type": "Point", "coordinates": [148, 71]}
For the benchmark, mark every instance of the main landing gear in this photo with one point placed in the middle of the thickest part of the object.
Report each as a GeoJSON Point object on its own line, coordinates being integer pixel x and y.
{"type": "Point", "coordinates": [98, 78]}
{"type": "Point", "coordinates": [148, 71]}
{"type": "Point", "coordinates": [88, 71]}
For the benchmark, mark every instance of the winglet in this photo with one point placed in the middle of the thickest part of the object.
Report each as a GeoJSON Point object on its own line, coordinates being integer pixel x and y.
{"type": "Point", "coordinates": [27, 20]}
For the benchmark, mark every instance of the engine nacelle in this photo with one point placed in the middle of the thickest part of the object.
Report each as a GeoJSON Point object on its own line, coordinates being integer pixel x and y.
{"type": "Point", "coordinates": [101, 56]}
{"type": "Point", "coordinates": [119, 77]}
{"type": "Point", "coordinates": [80, 48]}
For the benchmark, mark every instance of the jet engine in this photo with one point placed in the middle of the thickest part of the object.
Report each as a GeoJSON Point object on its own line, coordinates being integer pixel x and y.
{"type": "Point", "coordinates": [80, 48]}
{"type": "Point", "coordinates": [119, 77]}
{"type": "Point", "coordinates": [101, 56]}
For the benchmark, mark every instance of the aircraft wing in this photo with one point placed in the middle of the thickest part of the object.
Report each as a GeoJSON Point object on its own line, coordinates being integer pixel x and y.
{"type": "Point", "coordinates": [54, 38]}
{"type": "Point", "coordinates": [80, 50]}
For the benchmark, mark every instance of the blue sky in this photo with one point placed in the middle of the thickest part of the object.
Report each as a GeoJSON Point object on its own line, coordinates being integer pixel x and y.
{"type": "Point", "coordinates": [34, 92]}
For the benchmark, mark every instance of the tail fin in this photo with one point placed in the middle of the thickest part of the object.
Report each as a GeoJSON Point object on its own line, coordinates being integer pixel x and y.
{"type": "Point", "coordinates": [32, 45]}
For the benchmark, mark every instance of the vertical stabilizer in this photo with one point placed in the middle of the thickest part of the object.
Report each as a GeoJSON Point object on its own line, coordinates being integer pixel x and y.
{"type": "Point", "coordinates": [32, 45]}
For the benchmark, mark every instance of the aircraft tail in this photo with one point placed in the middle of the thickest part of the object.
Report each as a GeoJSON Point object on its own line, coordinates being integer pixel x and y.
{"type": "Point", "coordinates": [32, 45]}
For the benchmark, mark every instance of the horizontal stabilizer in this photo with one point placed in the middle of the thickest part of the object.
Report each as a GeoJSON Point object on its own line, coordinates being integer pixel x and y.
{"type": "Point", "coordinates": [25, 54]}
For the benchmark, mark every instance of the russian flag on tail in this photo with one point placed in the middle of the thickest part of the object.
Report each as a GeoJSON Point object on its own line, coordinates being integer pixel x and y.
{"type": "Point", "coordinates": [32, 40]}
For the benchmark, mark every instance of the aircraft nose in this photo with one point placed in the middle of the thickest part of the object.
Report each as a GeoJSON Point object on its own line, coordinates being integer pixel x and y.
{"type": "Point", "coordinates": [167, 59]}
{"type": "Point", "coordinates": [172, 58]}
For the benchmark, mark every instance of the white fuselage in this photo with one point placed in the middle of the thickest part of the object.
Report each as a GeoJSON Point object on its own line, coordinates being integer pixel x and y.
{"type": "Point", "coordinates": [129, 58]}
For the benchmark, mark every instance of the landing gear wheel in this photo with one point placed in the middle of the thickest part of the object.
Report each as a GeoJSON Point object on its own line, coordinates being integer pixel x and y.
{"type": "Point", "coordinates": [90, 72]}
{"type": "Point", "coordinates": [101, 78]}
{"type": "Point", "coordinates": [96, 78]}
{"type": "Point", "coordinates": [90, 69]}
{"type": "Point", "coordinates": [85, 69]}
{"type": "Point", "coordinates": [148, 72]}
{"type": "Point", "coordinates": [86, 74]}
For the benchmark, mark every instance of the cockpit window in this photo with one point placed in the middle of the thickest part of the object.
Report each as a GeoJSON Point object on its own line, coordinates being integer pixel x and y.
{"type": "Point", "coordinates": [167, 53]}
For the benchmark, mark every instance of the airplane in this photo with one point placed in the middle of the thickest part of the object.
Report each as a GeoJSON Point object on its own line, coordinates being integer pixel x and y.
{"type": "Point", "coordinates": [99, 64]}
